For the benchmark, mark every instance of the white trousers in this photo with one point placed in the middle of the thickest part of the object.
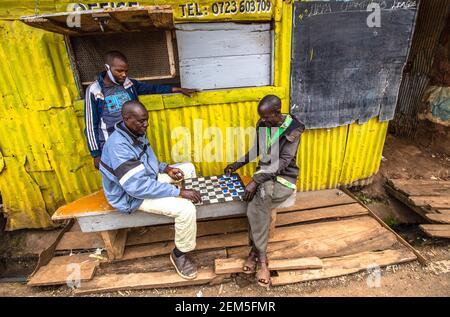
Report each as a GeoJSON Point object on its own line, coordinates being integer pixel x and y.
{"type": "Point", "coordinates": [182, 210]}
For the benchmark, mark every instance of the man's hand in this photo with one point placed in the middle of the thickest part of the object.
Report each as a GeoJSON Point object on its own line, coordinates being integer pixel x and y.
{"type": "Point", "coordinates": [97, 162]}
{"type": "Point", "coordinates": [231, 168]}
{"type": "Point", "coordinates": [174, 173]}
{"type": "Point", "coordinates": [185, 91]}
{"type": "Point", "coordinates": [250, 190]}
{"type": "Point", "coordinates": [191, 194]}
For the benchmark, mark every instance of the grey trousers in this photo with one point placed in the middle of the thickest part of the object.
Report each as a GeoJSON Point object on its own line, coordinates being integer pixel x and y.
{"type": "Point", "coordinates": [259, 211]}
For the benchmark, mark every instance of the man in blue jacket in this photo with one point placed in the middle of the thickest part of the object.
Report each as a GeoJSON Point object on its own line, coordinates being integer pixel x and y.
{"type": "Point", "coordinates": [105, 97]}
{"type": "Point", "coordinates": [133, 178]}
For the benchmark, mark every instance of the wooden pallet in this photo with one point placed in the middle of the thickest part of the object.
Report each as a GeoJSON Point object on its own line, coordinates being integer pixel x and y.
{"type": "Point", "coordinates": [429, 199]}
{"type": "Point", "coordinates": [321, 230]}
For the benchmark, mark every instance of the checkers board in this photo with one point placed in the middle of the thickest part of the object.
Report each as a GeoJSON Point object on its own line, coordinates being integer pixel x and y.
{"type": "Point", "coordinates": [217, 189]}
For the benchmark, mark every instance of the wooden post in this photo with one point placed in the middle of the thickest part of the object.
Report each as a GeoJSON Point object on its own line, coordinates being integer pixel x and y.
{"type": "Point", "coordinates": [115, 241]}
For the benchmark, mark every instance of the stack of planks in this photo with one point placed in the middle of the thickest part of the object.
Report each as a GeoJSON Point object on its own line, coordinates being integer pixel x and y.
{"type": "Point", "coordinates": [429, 199]}
{"type": "Point", "coordinates": [324, 234]}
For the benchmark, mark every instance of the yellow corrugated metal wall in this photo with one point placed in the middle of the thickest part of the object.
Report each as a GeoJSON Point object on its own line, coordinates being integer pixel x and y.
{"type": "Point", "coordinates": [44, 160]}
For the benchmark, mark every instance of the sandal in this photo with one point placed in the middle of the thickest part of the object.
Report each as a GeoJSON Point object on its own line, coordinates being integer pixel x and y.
{"type": "Point", "coordinates": [250, 264]}
{"type": "Point", "coordinates": [263, 272]}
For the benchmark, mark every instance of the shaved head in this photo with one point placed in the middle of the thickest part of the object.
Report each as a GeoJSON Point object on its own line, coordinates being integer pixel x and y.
{"type": "Point", "coordinates": [270, 103]}
{"type": "Point", "coordinates": [135, 117]}
{"type": "Point", "coordinates": [269, 110]}
{"type": "Point", "coordinates": [132, 107]}
{"type": "Point", "coordinates": [112, 55]}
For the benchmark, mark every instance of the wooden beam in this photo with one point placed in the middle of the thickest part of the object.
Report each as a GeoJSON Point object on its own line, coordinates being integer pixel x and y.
{"type": "Point", "coordinates": [115, 241]}
{"type": "Point", "coordinates": [133, 281]}
{"type": "Point", "coordinates": [317, 199]}
{"type": "Point", "coordinates": [441, 218]}
{"type": "Point", "coordinates": [203, 243]}
{"type": "Point", "coordinates": [436, 231]}
{"type": "Point", "coordinates": [234, 265]}
{"type": "Point", "coordinates": [404, 199]}
{"type": "Point", "coordinates": [436, 202]}
{"type": "Point", "coordinates": [333, 238]}
{"type": "Point", "coordinates": [339, 266]}
{"type": "Point", "coordinates": [421, 188]}
{"type": "Point", "coordinates": [342, 211]}
{"type": "Point", "coordinates": [65, 269]}
{"type": "Point", "coordinates": [420, 257]}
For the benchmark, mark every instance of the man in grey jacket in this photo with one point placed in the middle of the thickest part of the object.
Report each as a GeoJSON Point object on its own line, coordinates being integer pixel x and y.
{"type": "Point", "coordinates": [277, 141]}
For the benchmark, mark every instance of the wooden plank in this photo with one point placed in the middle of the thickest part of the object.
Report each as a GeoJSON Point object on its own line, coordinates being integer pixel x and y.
{"type": "Point", "coordinates": [203, 243]}
{"type": "Point", "coordinates": [62, 269]}
{"type": "Point", "coordinates": [204, 228]}
{"type": "Point", "coordinates": [341, 211]}
{"type": "Point", "coordinates": [318, 199]}
{"type": "Point", "coordinates": [333, 267]}
{"type": "Point", "coordinates": [435, 202]}
{"type": "Point", "coordinates": [159, 263]}
{"type": "Point", "coordinates": [420, 182]}
{"type": "Point", "coordinates": [222, 42]}
{"type": "Point", "coordinates": [145, 235]}
{"type": "Point", "coordinates": [436, 231]}
{"type": "Point", "coordinates": [235, 71]}
{"type": "Point", "coordinates": [119, 244]}
{"type": "Point", "coordinates": [118, 220]}
{"type": "Point", "coordinates": [133, 281]}
{"type": "Point", "coordinates": [419, 256]}
{"type": "Point", "coordinates": [90, 205]}
{"type": "Point", "coordinates": [441, 218]}
{"type": "Point", "coordinates": [325, 238]}
{"type": "Point", "coordinates": [109, 237]}
{"type": "Point", "coordinates": [80, 240]}
{"type": "Point", "coordinates": [416, 188]}
{"type": "Point", "coordinates": [405, 200]}
{"type": "Point", "coordinates": [444, 211]}
{"type": "Point", "coordinates": [321, 228]}
{"type": "Point", "coordinates": [234, 265]}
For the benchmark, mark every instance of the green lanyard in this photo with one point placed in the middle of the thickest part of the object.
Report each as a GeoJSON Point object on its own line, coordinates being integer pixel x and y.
{"type": "Point", "coordinates": [271, 140]}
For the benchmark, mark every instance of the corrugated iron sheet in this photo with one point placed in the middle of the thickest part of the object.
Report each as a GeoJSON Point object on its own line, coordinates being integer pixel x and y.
{"type": "Point", "coordinates": [44, 161]}
{"type": "Point", "coordinates": [431, 20]}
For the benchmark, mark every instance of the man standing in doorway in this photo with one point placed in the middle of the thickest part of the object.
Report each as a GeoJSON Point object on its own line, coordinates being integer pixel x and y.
{"type": "Point", "coordinates": [105, 97]}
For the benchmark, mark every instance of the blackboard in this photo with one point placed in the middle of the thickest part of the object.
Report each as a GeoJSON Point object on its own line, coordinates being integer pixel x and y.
{"type": "Point", "coordinates": [343, 69]}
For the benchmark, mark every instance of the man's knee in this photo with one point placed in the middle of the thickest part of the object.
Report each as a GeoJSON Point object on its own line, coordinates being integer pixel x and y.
{"type": "Point", "coordinates": [188, 211]}
{"type": "Point", "coordinates": [265, 190]}
{"type": "Point", "coordinates": [188, 170]}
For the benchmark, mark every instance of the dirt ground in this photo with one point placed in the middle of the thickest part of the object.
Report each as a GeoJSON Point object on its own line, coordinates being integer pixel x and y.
{"type": "Point", "coordinates": [401, 159]}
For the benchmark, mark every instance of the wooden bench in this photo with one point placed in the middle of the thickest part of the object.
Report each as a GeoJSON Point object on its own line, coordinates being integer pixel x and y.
{"type": "Point", "coordinates": [95, 214]}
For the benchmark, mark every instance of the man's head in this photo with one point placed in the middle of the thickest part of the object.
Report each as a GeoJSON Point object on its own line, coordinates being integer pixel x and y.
{"type": "Point", "coordinates": [117, 64]}
{"type": "Point", "coordinates": [135, 117]}
{"type": "Point", "coordinates": [269, 110]}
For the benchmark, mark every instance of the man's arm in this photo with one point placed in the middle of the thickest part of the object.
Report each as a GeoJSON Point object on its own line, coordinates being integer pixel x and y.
{"type": "Point", "coordinates": [247, 158]}
{"type": "Point", "coordinates": [146, 89]}
{"type": "Point", "coordinates": [91, 120]}
{"type": "Point", "coordinates": [134, 178]}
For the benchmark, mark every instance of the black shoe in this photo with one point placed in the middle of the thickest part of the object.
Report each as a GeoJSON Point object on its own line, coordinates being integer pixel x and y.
{"type": "Point", "coordinates": [184, 266]}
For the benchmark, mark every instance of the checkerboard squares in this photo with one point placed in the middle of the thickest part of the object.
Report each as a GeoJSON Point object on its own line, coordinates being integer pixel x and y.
{"type": "Point", "coordinates": [216, 189]}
